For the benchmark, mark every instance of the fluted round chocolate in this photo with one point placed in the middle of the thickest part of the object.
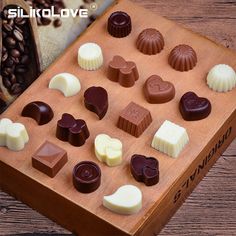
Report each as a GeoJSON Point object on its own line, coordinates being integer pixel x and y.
{"type": "Point", "coordinates": [183, 58]}
{"type": "Point", "coordinates": [119, 24]}
{"type": "Point", "coordinates": [150, 41]}
{"type": "Point", "coordinates": [86, 176]}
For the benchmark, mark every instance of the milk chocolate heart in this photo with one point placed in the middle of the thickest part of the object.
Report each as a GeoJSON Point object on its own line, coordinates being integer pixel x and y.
{"type": "Point", "coordinates": [96, 100]}
{"type": "Point", "coordinates": [145, 169]}
{"type": "Point", "coordinates": [157, 90]}
{"type": "Point", "coordinates": [71, 130]}
{"type": "Point", "coordinates": [122, 71]}
{"type": "Point", "coordinates": [193, 107]}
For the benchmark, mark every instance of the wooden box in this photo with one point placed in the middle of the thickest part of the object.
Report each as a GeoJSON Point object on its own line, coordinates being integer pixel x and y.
{"type": "Point", "coordinates": [84, 214]}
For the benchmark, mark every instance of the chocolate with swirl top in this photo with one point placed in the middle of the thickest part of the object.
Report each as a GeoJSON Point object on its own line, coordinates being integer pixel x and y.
{"type": "Point", "coordinates": [86, 176]}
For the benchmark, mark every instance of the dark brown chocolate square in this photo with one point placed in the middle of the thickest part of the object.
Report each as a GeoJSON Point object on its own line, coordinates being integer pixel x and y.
{"type": "Point", "coordinates": [49, 159]}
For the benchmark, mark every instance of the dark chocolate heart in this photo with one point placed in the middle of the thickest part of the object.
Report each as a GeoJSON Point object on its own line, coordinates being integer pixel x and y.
{"type": "Point", "coordinates": [145, 169]}
{"type": "Point", "coordinates": [71, 130]}
{"type": "Point", "coordinates": [157, 90]}
{"type": "Point", "coordinates": [193, 107]}
{"type": "Point", "coordinates": [96, 100]}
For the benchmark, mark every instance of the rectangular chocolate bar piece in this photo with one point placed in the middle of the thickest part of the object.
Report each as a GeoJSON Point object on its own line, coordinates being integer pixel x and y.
{"type": "Point", "coordinates": [49, 159]}
{"type": "Point", "coordinates": [134, 119]}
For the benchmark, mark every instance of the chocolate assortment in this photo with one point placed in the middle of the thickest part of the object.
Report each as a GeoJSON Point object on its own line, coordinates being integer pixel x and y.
{"type": "Point", "coordinates": [157, 90]}
{"type": "Point", "coordinates": [86, 176]}
{"type": "Point", "coordinates": [49, 159]}
{"type": "Point", "coordinates": [122, 71]}
{"type": "Point", "coordinates": [74, 131]}
{"type": "Point", "coordinates": [41, 112]}
{"type": "Point", "coordinates": [19, 62]}
{"type": "Point", "coordinates": [150, 41]}
{"type": "Point", "coordinates": [145, 169]}
{"type": "Point", "coordinates": [96, 100]}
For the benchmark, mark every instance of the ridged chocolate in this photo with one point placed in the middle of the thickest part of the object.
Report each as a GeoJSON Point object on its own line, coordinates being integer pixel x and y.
{"type": "Point", "coordinates": [183, 58]}
{"type": "Point", "coordinates": [150, 41]}
{"type": "Point", "coordinates": [134, 119]}
{"type": "Point", "coordinates": [119, 24]}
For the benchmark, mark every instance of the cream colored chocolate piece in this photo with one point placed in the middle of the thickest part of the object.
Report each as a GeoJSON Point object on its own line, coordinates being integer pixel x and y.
{"type": "Point", "coordinates": [170, 139]}
{"type": "Point", "coordinates": [221, 78]}
{"type": "Point", "coordinates": [108, 150]}
{"type": "Point", "coordinates": [67, 83]}
{"type": "Point", "coordinates": [90, 56]}
{"type": "Point", "coordinates": [13, 135]}
{"type": "Point", "coordinates": [126, 200]}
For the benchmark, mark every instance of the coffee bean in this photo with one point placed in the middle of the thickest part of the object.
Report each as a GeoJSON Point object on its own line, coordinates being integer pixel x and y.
{"type": "Point", "coordinates": [24, 59]}
{"type": "Point", "coordinates": [21, 69]}
{"type": "Point", "coordinates": [15, 53]}
{"type": "Point", "coordinates": [3, 49]}
{"type": "Point", "coordinates": [6, 82]}
{"type": "Point", "coordinates": [20, 47]}
{"type": "Point", "coordinates": [9, 62]}
{"type": "Point", "coordinates": [20, 21]}
{"type": "Point", "coordinates": [57, 23]}
{"type": "Point", "coordinates": [10, 42]}
{"type": "Point", "coordinates": [4, 34]}
{"type": "Point", "coordinates": [18, 35]}
{"type": "Point", "coordinates": [18, 28]}
{"type": "Point", "coordinates": [15, 60]}
{"type": "Point", "coordinates": [16, 89]}
{"type": "Point", "coordinates": [4, 56]}
{"type": "Point", "coordinates": [11, 22]}
{"type": "Point", "coordinates": [45, 20]}
{"type": "Point", "coordinates": [12, 78]}
{"type": "Point", "coordinates": [7, 28]}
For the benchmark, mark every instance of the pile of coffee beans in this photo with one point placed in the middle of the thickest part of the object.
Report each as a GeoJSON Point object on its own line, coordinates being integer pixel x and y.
{"type": "Point", "coordinates": [47, 4]}
{"type": "Point", "coordinates": [16, 60]}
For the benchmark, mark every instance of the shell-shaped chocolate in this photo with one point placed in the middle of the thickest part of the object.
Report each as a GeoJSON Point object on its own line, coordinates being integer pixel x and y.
{"type": "Point", "coordinates": [150, 41]}
{"type": "Point", "coordinates": [183, 58]}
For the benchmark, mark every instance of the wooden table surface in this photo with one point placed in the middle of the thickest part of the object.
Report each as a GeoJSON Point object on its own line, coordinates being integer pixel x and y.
{"type": "Point", "coordinates": [211, 208]}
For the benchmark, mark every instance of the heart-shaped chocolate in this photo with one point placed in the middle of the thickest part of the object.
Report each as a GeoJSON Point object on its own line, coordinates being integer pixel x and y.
{"type": "Point", "coordinates": [145, 169]}
{"type": "Point", "coordinates": [122, 71]}
{"type": "Point", "coordinates": [193, 107]}
{"type": "Point", "coordinates": [96, 100]}
{"type": "Point", "coordinates": [71, 130]}
{"type": "Point", "coordinates": [157, 90]}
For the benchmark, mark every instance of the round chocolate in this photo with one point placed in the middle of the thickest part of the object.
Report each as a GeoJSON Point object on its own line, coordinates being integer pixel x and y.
{"type": "Point", "coordinates": [119, 24]}
{"type": "Point", "coordinates": [150, 41]}
{"type": "Point", "coordinates": [86, 176]}
{"type": "Point", "coordinates": [183, 58]}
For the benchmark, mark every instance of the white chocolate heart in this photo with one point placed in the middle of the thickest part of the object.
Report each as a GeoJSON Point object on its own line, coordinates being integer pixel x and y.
{"type": "Point", "coordinates": [67, 83]}
{"type": "Point", "coordinates": [108, 150]}
{"type": "Point", "coordinates": [13, 135]}
{"type": "Point", "coordinates": [126, 200]}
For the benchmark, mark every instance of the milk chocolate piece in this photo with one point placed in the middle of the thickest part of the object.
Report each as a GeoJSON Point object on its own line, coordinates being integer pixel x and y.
{"type": "Point", "coordinates": [96, 100]}
{"type": "Point", "coordinates": [134, 119]}
{"type": "Point", "coordinates": [157, 90]}
{"type": "Point", "coordinates": [71, 130]}
{"type": "Point", "coordinates": [86, 176]}
{"type": "Point", "coordinates": [145, 169]}
{"type": "Point", "coordinates": [49, 159]}
{"type": "Point", "coordinates": [119, 24]}
{"type": "Point", "coordinates": [183, 58]}
{"type": "Point", "coordinates": [150, 41]}
{"type": "Point", "coordinates": [193, 107]}
{"type": "Point", "coordinates": [122, 71]}
{"type": "Point", "coordinates": [39, 111]}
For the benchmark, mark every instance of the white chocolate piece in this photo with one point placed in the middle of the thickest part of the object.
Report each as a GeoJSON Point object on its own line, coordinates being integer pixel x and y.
{"type": "Point", "coordinates": [170, 139]}
{"type": "Point", "coordinates": [126, 200]}
{"type": "Point", "coordinates": [108, 150]}
{"type": "Point", "coordinates": [221, 78]}
{"type": "Point", "coordinates": [13, 135]}
{"type": "Point", "coordinates": [90, 56]}
{"type": "Point", "coordinates": [67, 83]}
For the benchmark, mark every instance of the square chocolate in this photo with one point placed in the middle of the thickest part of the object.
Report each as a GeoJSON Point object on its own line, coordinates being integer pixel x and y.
{"type": "Point", "coordinates": [134, 119]}
{"type": "Point", "coordinates": [49, 159]}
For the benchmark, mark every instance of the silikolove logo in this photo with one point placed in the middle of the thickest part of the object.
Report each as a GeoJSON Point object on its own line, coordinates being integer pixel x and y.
{"type": "Point", "coordinates": [64, 13]}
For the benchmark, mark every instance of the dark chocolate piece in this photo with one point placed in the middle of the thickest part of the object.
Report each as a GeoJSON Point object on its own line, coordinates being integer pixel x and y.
{"type": "Point", "coordinates": [96, 100]}
{"type": "Point", "coordinates": [123, 72]}
{"type": "Point", "coordinates": [39, 111]}
{"type": "Point", "coordinates": [183, 58]}
{"type": "Point", "coordinates": [119, 24]}
{"type": "Point", "coordinates": [145, 169]}
{"type": "Point", "coordinates": [134, 119]}
{"type": "Point", "coordinates": [157, 90]}
{"type": "Point", "coordinates": [49, 159]}
{"type": "Point", "coordinates": [193, 107]}
{"type": "Point", "coordinates": [86, 176]}
{"type": "Point", "coordinates": [71, 130]}
{"type": "Point", "coordinates": [150, 41]}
